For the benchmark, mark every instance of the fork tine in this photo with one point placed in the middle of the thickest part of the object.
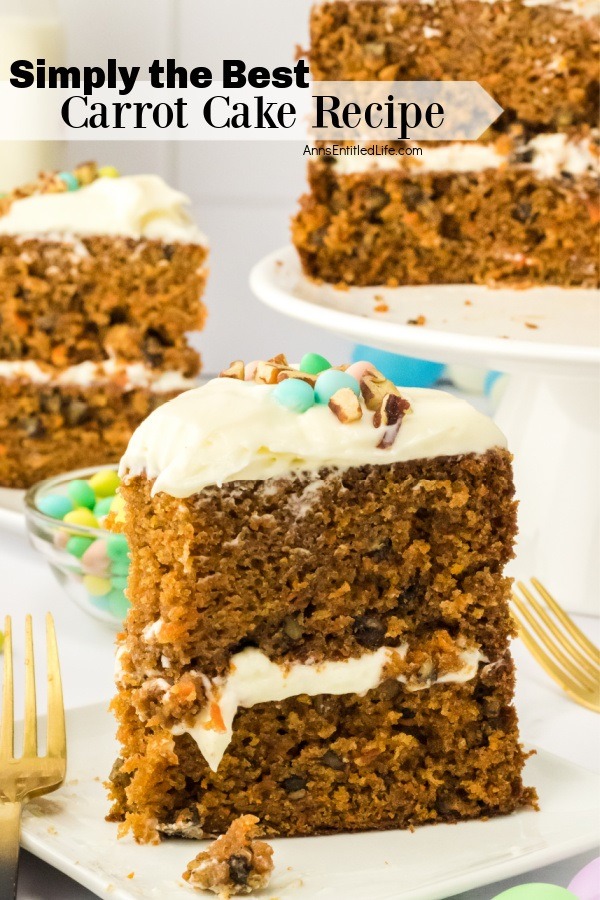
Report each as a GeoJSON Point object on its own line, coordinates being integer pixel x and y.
{"type": "Point", "coordinates": [6, 733]}
{"type": "Point", "coordinates": [592, 668]}
{"type": "Point", "coordinates": [57, 738]}
{"type": "Point", "coordinates": [30, 731]}
{"type": "Point", "coordinates": [576, 633]}
{"type": "Point", "coordinates": [568, 686]}
{"type": "Point", "coordinates": [547, 640]}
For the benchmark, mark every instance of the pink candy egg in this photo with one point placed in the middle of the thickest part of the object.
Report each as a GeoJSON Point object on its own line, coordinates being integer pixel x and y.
{"type": "Point", "coordinates": [250, 369]}
{"type": "Point", "coordinates": [359, 369]}
{"type": "Point", "coordinates": [95, 560]}
{"type": "Point", "coordinates": [586, 884]}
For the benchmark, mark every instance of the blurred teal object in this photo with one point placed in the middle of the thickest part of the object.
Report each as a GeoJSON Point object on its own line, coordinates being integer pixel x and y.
{"type": "Point", "coordinates": [403, 370]}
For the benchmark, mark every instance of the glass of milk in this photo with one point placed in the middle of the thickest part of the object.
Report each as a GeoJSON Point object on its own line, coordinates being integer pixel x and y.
{"type": "Point", "coordinates": [29, 29]}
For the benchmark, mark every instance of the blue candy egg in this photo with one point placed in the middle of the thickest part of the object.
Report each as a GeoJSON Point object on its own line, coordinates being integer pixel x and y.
{"type": "Point", "coordinates": [404, 370]}
{"type": "Point", "coordinates": [70, 180]}
{"type": "Point", "coordinates": [55, 505]}
{"type": "Point", "coordinates": [331, 381]}
{"type": "Point", "coordinates": [294, 394]}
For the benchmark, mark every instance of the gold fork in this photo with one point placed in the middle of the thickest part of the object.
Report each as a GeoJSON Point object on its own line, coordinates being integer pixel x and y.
{"type": "Point", "coordinates": [30, 775]}
{"type": "Point", "coordinates": [563, 650]}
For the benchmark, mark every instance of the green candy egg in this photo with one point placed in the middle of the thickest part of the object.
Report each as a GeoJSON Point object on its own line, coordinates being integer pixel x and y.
{"type": "Point", "coordinates": [119, 568]}
{"type": "Point", "coordinates": [77, 545]}
{"type": "Point", "coordinates": [536, 892]}
{"type": "Point", "coordinates": [118, 604]}
{"type": "Point", "coordinates": [81, 493]}
{"type": "Point", "coordinates": [70, 180]}
{"type": "Point", "coordinates": [102, 507]}
{"type": "Point", "coordinates": [313, 363]}
{"type": "Point", "coordinates": [119, 582]}
{"type": "Point", "coordinates": [55, 505]}
{"type": "Point", "coordinates": [116, 547]}
{"type": "Point", "coordinates": [105, 483]}
{"type": "Point", "coordinates": [328, 383]}
{"type": "Point", "coordinates": [294, 394]}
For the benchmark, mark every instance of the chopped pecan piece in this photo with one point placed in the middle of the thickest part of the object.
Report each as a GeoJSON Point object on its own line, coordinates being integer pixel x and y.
{"type": "Point", "coordinates": [374, 387]}
{"type": "Point", "coordinates": [391, 413]}
{"type": "Point", "coordinates": [301, 376]}
{"type": "Point", "coordinates": [346, 406]}
{"type": "Point", "coordinates": [279, 360]}
{"type": "Point", "coordinates": [235, 370]}
{"type": "Point", "coordinates": [267, 373]}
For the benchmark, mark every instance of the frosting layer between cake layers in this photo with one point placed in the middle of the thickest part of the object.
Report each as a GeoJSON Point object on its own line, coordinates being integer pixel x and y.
{"type": "Point", "coordinates": [253, 678]}
{"type": "Point", "coordinates": [90, 373]}
{"type": "Point", "coordinates": [229, 430]}
{"type": "Point", "coordinates": [136, 206]}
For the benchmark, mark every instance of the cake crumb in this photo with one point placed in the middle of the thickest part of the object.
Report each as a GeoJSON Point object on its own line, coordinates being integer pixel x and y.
{"type": "Point", "coordinates": [420, 320]}
{"type": "Point", "coordinates": [236, 863]}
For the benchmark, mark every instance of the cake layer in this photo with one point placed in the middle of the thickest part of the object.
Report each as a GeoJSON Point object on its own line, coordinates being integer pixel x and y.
{"type": "Point", "coordinates": [315, 566]}
{"type": "Point", "coordinates": [539, 62]}
{"type": "Point", "coordinates": [66, 299]}
{"type": "Point", "coordinates": [49, 427]}
{"type": "Point", "coordinates": [315, 765]}
{"type": "Point", "coordinates": [497, 226]}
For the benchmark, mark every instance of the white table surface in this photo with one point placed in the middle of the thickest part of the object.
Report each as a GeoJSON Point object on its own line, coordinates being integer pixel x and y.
{"type": "Point", "coordinates": [548, 718]}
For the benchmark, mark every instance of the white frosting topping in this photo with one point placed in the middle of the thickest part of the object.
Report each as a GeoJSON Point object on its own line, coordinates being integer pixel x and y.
{"type": "Point", "coordinates": [85, 374]}
{"type": "Point", "coordinates": [137, 206]}
{"type": "Point", "coordinates": [585, 8]}
{"type": "Point", "coordinates": [253, 678]}
{"type": "Point", "coordinates": [229, 430]}
{"type": "Point", "coordinates": [552, 154]}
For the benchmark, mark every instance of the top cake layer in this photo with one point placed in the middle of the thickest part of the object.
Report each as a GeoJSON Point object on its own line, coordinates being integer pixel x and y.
{"type": "Point", "coordinates": [134, 206]}
{"type": "Point", "coordinates": [539, 61]}
{"type": "Point", "coordinates": [236, 430]}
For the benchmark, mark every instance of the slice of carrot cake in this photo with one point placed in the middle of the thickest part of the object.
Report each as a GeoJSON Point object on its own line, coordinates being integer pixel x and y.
{"type": "Point", "coordinates": [100, 279]}
{"type": "Point", "coordinates": [319, 625]}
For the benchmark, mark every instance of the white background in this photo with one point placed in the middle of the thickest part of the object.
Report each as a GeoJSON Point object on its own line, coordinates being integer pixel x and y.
{"type": "Point", "coordinates": [243, 194]}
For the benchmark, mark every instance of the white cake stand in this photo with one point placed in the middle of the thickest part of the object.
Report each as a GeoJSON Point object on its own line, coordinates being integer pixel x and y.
{"type": "Point", "coordinates": [548, 339]}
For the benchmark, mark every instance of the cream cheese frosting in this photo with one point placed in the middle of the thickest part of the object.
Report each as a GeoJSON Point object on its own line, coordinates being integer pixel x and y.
{"type": "Point", "coordinates": [550, 155]}
{"type": "Point", "coordinates": [253, 678]}
{"type": "Point", "coordinates": [85, 374]}
{"type": "Point", "coordinates": [230, 430]}
{"type": "Point", "coordinates": [136, 206]}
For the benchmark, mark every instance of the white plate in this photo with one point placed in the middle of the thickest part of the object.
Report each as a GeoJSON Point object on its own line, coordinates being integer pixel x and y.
{"type": "Point", "coordinates": [12, 510]}
{"type": "Point", "coordinates": [465, 324]}
{"type": "Point", "coordinates": [67, 830]}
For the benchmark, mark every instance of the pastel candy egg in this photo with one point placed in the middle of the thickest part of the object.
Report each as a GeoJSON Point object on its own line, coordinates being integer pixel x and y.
{"type": "Point", "coordinates": [250, 370]}
{"type": "Point", "coordinates": [359, 369]}
{"type": "Point", "coordinates": [105, 483]}
{"type": "Point", "coordinates": [118, 508]}
{"type": "Point", "coordinates": [331, 381]}
{"type": "Point", "coordinates": [95, 559]}
{"type": "Point", "coordinates": [119, 582]}
{"type": "Point", "coordinates": [586, 884]}
{"type": "Point", "coordinates": [102, 507]}
{"type": "Point", "coordinates": [81, 516]}
{"type": "Point", "coordinates": [116, 547]}
{"type": "Point", "coordinates": [69, 179]}
{"type": "Point", "coordinates": [96, 586]}
{"type": "Point", "coordinates": [77, 545]}
{"type": "Point", "coordinates": [61, 539]}
{"type": "Point", "coordinates": [118, 604]}
{"type": "Point", "coordinates": [536, 892]}
{"type": "Point", "coordinates": [55, 505]}
{"type": "Point", "coordinates": [120, 567]}
{"type": "Point", "coordinates": [294, 394]}
{"type": "Point", "coordinates": [108, 172]}
{"type": "Point", "coordinates": [313, 364]}
{"type": "Point", "coordinates": [81, 493]}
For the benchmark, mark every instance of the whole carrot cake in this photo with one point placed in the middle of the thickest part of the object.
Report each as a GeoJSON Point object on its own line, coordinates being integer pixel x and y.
{"type": "Point", "coordinates": [518, 207]}
{"type": "Point", "coordinates": [319, 625]}
{"type": "Point", "coordinates": [100, 279]}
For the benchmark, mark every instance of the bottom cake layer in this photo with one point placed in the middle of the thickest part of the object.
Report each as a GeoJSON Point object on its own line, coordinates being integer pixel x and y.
{"type": "Point", "coordinates": [504, 227]}
{"type": "Point", "coordinates": [46, 429]}
{"type": "Point", "coordinates": [392, 758]}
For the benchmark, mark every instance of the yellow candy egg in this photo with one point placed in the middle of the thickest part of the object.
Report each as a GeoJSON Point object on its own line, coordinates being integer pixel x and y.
{"type": "Point", "coordinates": [108, 172]}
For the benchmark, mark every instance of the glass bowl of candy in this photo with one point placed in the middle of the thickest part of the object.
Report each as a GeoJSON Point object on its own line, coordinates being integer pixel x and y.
{"type": "Point", "coordinates": [65, 517]}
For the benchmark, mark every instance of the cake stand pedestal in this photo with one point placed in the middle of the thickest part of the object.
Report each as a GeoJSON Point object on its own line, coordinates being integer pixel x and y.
{"type": "Point", "coordinates": [548, 339]}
